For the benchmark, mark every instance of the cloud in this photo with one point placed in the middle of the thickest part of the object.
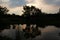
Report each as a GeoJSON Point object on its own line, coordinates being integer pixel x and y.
{"type": "Point", "coordinates": [29, 1]}
{"type": "Point", "coordinates": [49, 6]}
{"type": "Point", "coordinates": [16, 3]}
{"type": "Point", "coordinates": [52, 2]}
{"type": "Point", "coordinates": [5, 0]}
{"type": "Point", "coordinates": [16, 10]}
{"type": "Point", "coordinates": [14, 6]}
{"type": "Point", "coordinates": [0, 1]}
{"type": "Point", "coordinates": [45, 7]}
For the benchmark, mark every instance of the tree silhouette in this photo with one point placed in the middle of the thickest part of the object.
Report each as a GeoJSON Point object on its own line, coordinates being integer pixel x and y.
{"type": "Point", "coordinates": [28, 11]}
{"type": "Point", "coordinates": [3, 10]}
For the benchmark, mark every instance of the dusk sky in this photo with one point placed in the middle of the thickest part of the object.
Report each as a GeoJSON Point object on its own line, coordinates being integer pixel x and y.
{"type": "Point", "coordinates": [16, 6]}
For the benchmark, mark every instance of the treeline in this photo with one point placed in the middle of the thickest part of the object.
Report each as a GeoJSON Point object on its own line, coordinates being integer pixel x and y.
{"type": "Point", "coordinates": [31, 15]}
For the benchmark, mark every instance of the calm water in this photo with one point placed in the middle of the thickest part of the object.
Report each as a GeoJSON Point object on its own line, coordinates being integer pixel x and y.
{"type": "Point", "coordinates": [47, 33]}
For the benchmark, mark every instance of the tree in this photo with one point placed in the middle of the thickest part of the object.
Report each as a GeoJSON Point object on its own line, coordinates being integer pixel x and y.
{"type": "Point", "coordinates": [28, 11]}
{"type": "Point", "coordinates": [3, 10]}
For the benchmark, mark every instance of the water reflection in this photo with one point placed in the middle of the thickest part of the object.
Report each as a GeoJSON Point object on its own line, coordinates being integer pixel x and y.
{"type": "Point", "coordinates": [31, 31]}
